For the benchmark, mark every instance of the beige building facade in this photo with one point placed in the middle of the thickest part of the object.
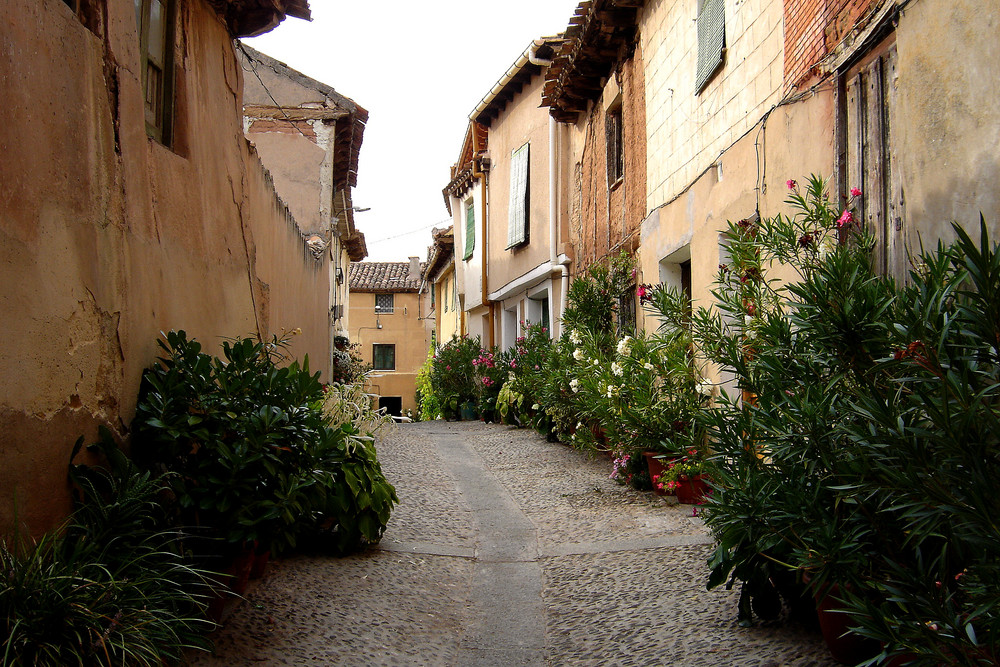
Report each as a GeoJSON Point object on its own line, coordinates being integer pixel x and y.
{"type": "Point", "coordinates": [508, 165]}
{"type": "Point", "coordinates": [309, 136]}
{"type": "Point", "coordinates": [130, 204]}
{"type": "Point", "coordinates": [390, 324]}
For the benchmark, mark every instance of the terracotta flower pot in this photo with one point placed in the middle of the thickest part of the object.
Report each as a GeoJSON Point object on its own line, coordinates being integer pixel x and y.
{"type": "Point", "coordinates": [845, 646]}
{"type": "Point", "coordinates": [656, 467]}
{"type": "Point", "coordinates": [692, 490]}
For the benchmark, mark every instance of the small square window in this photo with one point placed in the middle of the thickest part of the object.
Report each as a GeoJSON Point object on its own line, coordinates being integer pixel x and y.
{"type": "Point", "coordinates": [384, 304]}
{"type": "Point", "coordinates": [384, 357]}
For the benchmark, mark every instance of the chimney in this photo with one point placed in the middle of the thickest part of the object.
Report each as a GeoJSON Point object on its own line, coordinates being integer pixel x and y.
{"type": "Point", "coordinates": [414, 273]}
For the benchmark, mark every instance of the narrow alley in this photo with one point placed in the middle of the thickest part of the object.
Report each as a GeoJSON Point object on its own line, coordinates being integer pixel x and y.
{"type": "Point", "coordinates": [507, 550]}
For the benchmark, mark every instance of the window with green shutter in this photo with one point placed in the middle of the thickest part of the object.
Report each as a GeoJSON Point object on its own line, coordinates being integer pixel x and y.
{"type": "Point", "coordinates": [470, 229]}
{"type": "Point", "coordinates": [517, 215]}
{"type": "Point", "coordinates": [711, 40]}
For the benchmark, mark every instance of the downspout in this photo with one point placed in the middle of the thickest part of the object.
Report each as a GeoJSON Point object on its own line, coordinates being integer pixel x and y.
{"type": "Point", "coordinates": [479, 173]}
{"type": "Point", "coordinates": [553, 192]}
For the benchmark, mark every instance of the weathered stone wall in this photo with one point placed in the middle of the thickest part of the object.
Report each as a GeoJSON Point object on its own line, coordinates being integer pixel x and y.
{"type": "Point", "coordinates": [607, 216]}
{"type": "Point", "coordinates": [108, 237]}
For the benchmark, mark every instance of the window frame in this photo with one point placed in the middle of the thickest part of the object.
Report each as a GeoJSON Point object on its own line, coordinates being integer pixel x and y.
{"type": "Point", "coordinates": [519, 204]}
{"type": "Point", "coordinates": [159, 117]}
{"type": "Point", "coordinates": [385, 348]}
{"type": "Point", "coordinates": [614, 143]}
{"type": "Point", "coordinates": [392, 303]}
{"type": "Point", "coordinates": [711, 23]}
{"type": "Point", "coordinates": [470, 228]}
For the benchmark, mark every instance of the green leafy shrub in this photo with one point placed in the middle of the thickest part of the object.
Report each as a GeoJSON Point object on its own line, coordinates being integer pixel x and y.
{"type": "Point", "coordinates": [252, 457]}
{"type": "Point", "coordinates": [430, 406]}
{"type": "Point", "coordinates": [110, 587]}
{"type": "Point", "coordinates": [453, 375]}
{"type": "Point", "coordinates": [864, 449]}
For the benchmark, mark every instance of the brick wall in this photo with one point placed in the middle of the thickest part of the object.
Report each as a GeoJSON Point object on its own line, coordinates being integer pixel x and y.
{"type": "Point", "coordinates": [607, 219]}
{"type": "Point", "coordinates": [813, 28]}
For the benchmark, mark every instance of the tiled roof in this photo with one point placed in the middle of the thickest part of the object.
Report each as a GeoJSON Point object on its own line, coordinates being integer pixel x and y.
{"type": "Point", "coordinates": [383, 277]}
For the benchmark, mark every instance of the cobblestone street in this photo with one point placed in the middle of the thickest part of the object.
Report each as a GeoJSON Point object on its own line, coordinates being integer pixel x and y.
{"type": "Point", "coordinates": [507, 550]}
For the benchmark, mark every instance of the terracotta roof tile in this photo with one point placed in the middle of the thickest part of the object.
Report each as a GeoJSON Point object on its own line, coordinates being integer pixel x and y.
{"type": "Point", "coordinates": [383, 277]}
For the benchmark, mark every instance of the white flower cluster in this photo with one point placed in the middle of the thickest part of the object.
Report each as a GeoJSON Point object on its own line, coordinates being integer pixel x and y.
{"type": "Point", "coordinates": [574, 384]}
{"type": "Point", "coordinates": [574, 337]}
{"type": "Point", "coordinates": [578, 354]}
{"type": "Point", "coordinates": [623, 345]}
{"type": "Point", "coordinates": [706, 387]}
{"type": "Point", "coordinates": [617, 369]}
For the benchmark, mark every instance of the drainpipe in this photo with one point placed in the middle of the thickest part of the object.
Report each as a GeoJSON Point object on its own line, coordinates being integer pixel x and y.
{"type": "Point", "coordinates": [480, 173]}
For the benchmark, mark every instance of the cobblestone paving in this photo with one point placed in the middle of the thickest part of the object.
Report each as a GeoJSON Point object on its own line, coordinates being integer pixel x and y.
{"type": "Point", "coordinates": [622, 575]}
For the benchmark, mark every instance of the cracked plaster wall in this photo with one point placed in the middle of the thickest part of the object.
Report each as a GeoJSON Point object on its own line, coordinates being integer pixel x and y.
{"type": "Point", "coordinates": [108, 238]}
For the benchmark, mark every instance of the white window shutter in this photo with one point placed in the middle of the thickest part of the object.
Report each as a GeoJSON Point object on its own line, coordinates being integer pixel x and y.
{"type": "Point", "coordinates": [517, 216]}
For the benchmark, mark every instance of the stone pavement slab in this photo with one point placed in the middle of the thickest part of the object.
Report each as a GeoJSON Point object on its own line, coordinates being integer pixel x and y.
{"type": "Point", "coordinates": [506, 549]}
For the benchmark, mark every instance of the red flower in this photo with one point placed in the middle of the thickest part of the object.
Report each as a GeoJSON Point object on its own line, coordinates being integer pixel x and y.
{"type": "Point", "coordinates": [791, 183]}
{"type": "Point", "coordinates": [845, 218]}
{"type": "Point", "coordinates": [855, 192]}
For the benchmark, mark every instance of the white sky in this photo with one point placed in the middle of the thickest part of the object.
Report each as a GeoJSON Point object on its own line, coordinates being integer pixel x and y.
{"type": "Point", "coordinates": [419, 68]}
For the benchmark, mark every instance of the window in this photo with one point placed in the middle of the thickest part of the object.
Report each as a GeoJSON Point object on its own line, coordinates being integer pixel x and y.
{"type": "Point", "coordinates": [517, 216]}
{"type": "Point", "coordinates": [89, 13]}
{"type": "Point", "coordinates": [383, 304]}
{"type": "Point", "coordinates": [711, 40]}
{"type": "Point", "coordinates": [613, 132]}
{"type": "Point", "coordinates": [155, 19]}
{"type": "Point", "coordinates": [470, 229]}
{"type": "Point", "coordinates": [869, 161]}
{"type": "Point", "coordinates": [626, 313]}
{"type": "Point", "coordinates": [433, 295]}
{"type": "Point", "coordinates": [384, 357]}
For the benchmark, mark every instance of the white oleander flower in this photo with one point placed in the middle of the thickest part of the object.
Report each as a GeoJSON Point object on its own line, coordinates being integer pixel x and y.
{"type": "Point", "coordinates": [648, 366]}
{"type": "Point", "coordinates": [705, 387]}
{"type": "Point", "coordinates": [578, 354]}
{"type": "Point", "coordinates": [623, 344]}
{"type": "Point", "coordinates": [617, 369]}
{"type": "Point", "coordinates": [574, 384]}
{"type": "Point", "coordinates": [574, 337]}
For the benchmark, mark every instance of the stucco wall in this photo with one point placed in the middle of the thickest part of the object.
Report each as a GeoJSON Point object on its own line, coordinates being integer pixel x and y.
{"type": "Point", "coordinates": [521, 121]}
{"type": "Point", "coordinates": [107, 237]}
{"type": "Point", "coordinates": [695, 220]}
{"type": "Point", "coordinates": [405, 329]}
{"type": "Point", "coordinates": [948, 116]}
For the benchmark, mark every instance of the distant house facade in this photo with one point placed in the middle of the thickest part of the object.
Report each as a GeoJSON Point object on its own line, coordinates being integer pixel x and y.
{"type": "Point", "coordinates": [131, 204]}
{"type": "Point", "coordinates": [389, 323]}
{"type": "Point", "coordinates": [513, 160]}
{"type": "Point", "coordinates": [440, 287]}
{"type": "Point", "coordinates": [309, 137]}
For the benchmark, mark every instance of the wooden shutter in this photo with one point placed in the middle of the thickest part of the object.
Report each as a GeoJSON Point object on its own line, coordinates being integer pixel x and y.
{"type": "Point", "coordinates": [613, 140]}
{"type": "Point", "coordinates": [517, 216]}
{"type": "Point", "coordinates": [871, 162]}
{"type": "Point", "coordinates": [711, 39]}
{"type": "Point", "coordinates": [470, 229]}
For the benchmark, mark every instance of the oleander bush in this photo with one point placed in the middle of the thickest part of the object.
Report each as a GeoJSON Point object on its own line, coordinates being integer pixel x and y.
{"type": "Point", "coordinates": [859, 452]}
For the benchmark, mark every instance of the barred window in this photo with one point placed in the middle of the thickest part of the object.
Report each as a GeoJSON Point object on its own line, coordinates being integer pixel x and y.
{"type": "Point", "coordinates": [383, 304]}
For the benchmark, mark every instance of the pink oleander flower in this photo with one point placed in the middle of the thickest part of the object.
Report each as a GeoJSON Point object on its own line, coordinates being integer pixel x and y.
{"type": "Point", "coordinates": [855, 192]}
{"type": "Point", "coordinates": [447, 368]}
{"type": "Point", "coordinates": [791, 183]}
{"type": "Point", "coordinates": [845, 219]}
{"type": "Point", "coordinates": [513, 364]}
